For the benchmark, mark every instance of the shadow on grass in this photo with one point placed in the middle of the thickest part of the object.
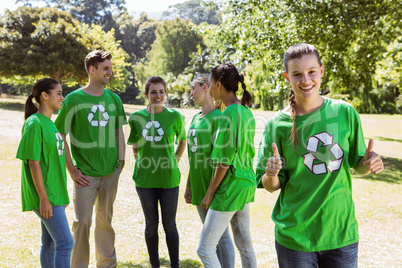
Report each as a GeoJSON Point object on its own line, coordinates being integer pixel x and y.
{"type": "Point", "coordinates": [187, 263]}
{"type": "Point", "coordinates": [379, 138]}
{"type": "Point", "coordinates": [392, 171]}
{"type": "Point", "coordinates": [15, 106]}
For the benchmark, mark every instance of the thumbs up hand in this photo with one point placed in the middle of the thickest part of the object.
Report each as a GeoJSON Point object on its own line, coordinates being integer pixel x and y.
{"type": "Point", "coordinates": [274, 163]}
{"type": "Point", "coordinates": [373, 160]}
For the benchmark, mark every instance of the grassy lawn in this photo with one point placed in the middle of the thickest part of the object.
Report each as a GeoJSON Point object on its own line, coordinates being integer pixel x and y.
{"type": "Point", "coordinates": [377, 199]}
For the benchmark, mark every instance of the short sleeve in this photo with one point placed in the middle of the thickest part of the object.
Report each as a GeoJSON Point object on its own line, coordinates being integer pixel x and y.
{"type": "Point", "coordinates": [226, 140]}
{"type": "Point", "coordinates": [30, 146]}
{"type": "Point", "coordinates": [134, 136]}
{"type": "Point", "coordinates": [61, 123]}
{"type": "Point", "coordinates": [180, 129]}
{"type": "Point", "coordinates": [357, 145]}
{"type": "Point", "coordinates": [121, 118]}
{"type": "Point", "coordinates": [264, 152]}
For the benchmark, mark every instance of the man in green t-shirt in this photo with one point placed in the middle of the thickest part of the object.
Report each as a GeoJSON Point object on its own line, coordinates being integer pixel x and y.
{"type": "Point", "coordinates": [94, 117]}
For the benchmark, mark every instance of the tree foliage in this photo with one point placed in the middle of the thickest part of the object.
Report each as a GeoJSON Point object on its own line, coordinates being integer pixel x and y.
{"type": "Point", "coordinates": [197, 11]}
{"type": "Point", "coordinates": [216, 51]}
{"type": "Point", "coordinates": [47, 42]}
{"type": "Point", "coordinates": [350, 35]}
{"type": "Point", "coordinates": [175, 41]}
{"type": "Point", "coordinates": [136, 37]}
{"type": "Point", "coordinates": [86, 11]}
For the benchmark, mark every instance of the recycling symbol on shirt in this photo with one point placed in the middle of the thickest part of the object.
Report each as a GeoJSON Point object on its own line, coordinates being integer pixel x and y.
{"type": "Point", "coordinates": [192, 140]}
{"type": "Point", "coordinates": [158, 128]}
{"type": "Point", "coordinates": [59, 143]}
{"type": "Point", "coordinates": [313, 145]}
{"type": "Point", "coordinates": [102, 122]}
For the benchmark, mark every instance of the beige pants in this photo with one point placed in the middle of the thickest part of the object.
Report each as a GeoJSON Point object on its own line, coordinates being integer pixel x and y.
{"type": "Point", "coordinates": [101, 192]}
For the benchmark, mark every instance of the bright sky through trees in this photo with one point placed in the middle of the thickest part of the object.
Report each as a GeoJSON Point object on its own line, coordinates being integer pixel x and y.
{"type": "Point", "coordinates": [132, 5]}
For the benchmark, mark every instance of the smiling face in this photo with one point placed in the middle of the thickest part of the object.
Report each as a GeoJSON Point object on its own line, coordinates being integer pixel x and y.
{"type": "Point", "coordinates": [55, 97]}
{"type": "Point", "coordinates": [156, 94]}
{"type": "Point", "coordinates": [103, 72]}
{"type": "Point", "coordinates": [304, 75]}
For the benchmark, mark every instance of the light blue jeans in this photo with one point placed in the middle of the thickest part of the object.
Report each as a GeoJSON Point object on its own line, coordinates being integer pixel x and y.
{"type": "Point", "coordinates": [214, 226]}
{"type": "Point", "coordinates": [57, 241]}
{"type": "Point", "coordinates": [225, 248]}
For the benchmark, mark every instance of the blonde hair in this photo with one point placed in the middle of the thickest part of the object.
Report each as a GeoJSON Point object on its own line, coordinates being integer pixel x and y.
{"type": "Point", "coordinates": [202, 79]}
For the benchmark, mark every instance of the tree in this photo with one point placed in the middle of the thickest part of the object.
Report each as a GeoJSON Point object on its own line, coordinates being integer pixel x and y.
{"type": "Point", "coordinates": [86, 11]}
{"type": "Point", "coordinates": [170, 53]}
{"type": "Point", "coordinates": [136, 37]}
{"type": "Point", "coordinates": [216, 51]}
{"type": "Point", "coordinates": [36, 41]}
{"type": "Point", "coordinates": [350, 36]}
{"type": "Point", "coordinates": [46, 42]}
{"type": "Point", "coordinates": [197, 11]}
{"type": "Point", "coordinates": [389, 76]}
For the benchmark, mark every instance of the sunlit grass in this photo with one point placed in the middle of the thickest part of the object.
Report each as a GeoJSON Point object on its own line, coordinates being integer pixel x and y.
{"type": "Point", "coordinates": [377, 199]}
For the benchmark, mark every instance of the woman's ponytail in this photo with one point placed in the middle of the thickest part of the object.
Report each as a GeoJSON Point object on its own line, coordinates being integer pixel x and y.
{"type": "Point", "coordinates": [229, 76]}
{"type": "Point", "coordinates": [30, 108]}
{"type": "Point", "coordinates": [247, 98]}
{"type": "Point", "coordinates": [42, 85]}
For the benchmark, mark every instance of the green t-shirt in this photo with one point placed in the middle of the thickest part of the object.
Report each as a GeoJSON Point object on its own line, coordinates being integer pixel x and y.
{"type": "Point", "coordinates": [200, 139]}
{"type": "Point", "coordinates": [156, 165]}
{"type": "Point", "coordinates": [315, 210]}
{"type": "Point", "coordinates": [41, 141]}
{"type": "Point", "coordinates": [92, 122]}
{"type": "Point", "coordinates": [234, 146]}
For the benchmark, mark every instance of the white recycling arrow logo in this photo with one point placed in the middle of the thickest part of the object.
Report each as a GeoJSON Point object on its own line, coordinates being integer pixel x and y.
{"type": "Point", "coordinates": [192, 140]}
{"type": "Point", "coordinates": [158, 128]}
{"type": "Point", "coordinates": [59, 143]}
{"type": "Point", "coordinates": [103, 122]}
{"type": "Point", "coordinates": [312, 147]}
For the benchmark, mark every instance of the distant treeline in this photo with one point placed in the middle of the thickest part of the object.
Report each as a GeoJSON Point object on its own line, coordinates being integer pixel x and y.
{"type": "Point", "coordinates": [360, 43]}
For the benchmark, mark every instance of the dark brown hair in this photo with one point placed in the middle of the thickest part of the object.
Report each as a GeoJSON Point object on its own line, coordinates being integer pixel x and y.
{"type": "Point", "coordinates": [95, 57]}
{"type": "Point", "coordinates": [227, 74]}
{"type": "Point", "coordinates": [297, 52]}
{"type": "Point", "coordinates": [42, 85]}
{"type": "Point", "coordinates": [154, 80]}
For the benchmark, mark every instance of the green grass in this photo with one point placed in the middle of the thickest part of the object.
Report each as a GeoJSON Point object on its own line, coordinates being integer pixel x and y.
{"type": "Point", "coordinates": [377, 200]}
{"type": "Point", "coordinates": [391, 174]}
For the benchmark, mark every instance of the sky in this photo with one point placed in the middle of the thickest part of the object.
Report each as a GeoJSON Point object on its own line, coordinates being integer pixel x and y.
{"type": "Point", "coordinates": [136, 6]}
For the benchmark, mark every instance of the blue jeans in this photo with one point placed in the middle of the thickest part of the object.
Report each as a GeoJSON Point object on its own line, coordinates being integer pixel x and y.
{"type": "Point", "coordinates": [225, 248]}
{"type": "Point", "coordinates": [57, 241]}
{"type": "Point", "coordinates": [168, 199]}
{"type": "Point", "coordinates": [344, 257]}
{"type": "Point", "coordinates": [215, 225]}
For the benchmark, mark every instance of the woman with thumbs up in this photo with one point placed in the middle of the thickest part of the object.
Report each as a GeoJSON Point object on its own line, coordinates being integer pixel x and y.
{"type": "Point", "coordinates": [307, 151]}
